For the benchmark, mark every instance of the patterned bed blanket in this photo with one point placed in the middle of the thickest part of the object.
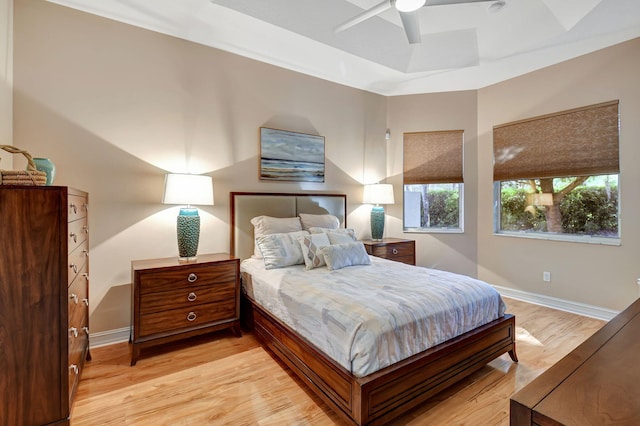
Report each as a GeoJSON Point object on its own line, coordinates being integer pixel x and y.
{"type": "Point", "coordinates": [371, 316]}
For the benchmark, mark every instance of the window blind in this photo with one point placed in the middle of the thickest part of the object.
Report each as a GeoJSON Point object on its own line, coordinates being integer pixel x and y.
{"type": "Point", "coordinates": [576, 142]}
{"type": "Point", "coordinates": [433, 157]}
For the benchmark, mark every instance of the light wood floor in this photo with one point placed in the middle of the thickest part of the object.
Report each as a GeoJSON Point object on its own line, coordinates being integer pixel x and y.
{"type": "Point", "coordinates": [225, 380]}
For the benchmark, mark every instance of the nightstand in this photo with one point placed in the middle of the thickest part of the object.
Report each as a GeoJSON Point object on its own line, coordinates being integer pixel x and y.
{"type": "Point", "coordinates": [398, 249]}
{"type": "Point", "coordinates": [173, 300]}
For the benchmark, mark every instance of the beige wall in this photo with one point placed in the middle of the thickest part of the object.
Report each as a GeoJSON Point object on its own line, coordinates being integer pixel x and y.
{"type": "Point", "coordinates": [116, 107]}
{"type": "Point", "coordinates": [432, 112]}
{"type": "Point", "coordinates": [599, 275]}
{"type": "Point", "coordinates": [6, 81]}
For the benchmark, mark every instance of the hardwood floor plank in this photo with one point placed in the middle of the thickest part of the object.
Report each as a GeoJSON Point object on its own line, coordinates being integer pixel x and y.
{"type": "Point", "coordinates": [224, 380]}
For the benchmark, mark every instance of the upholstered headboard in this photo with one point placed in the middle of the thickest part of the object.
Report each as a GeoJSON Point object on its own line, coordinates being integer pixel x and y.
{"type": "Point", "coordinates": [247, 205]}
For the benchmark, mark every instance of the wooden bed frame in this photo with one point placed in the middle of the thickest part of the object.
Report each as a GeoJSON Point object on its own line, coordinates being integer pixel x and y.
{"type": "Point", "coordinates": [392, 391]}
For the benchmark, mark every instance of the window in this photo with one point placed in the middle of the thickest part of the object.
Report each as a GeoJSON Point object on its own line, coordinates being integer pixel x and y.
{"type": "Point", "coordinates": [556, 176]}
{"type": "Point", "coordinates": [433, 181]}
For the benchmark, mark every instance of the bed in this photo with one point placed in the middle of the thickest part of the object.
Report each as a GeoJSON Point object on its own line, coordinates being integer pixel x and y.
{"type": "Point", "coordinates": [368, 394]}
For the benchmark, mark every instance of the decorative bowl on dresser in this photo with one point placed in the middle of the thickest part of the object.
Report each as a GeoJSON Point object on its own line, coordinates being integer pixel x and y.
{"type": "Point", "coordinates": [44, 302]}
{"type": "Point", "coordinates": [173, 299]}
{"type": "Point", "coordinates": [398, 249]}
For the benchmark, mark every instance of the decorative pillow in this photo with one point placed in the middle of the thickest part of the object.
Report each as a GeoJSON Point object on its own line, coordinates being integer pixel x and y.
{"type": "Point", "coordinates": [341, 237]}
{"type": "Point", "coordinates": [319, 220]}
{"type": "Point", "coordinates": [311, 245]}
{"type": "Point", "coordinates": [339, 256]}
{"type": "Point", "coordinates": [280, 250]}
{"type": "Point", "coordinates": [344, 231]}
{"type": "Point", "coordinates": [265, 225]}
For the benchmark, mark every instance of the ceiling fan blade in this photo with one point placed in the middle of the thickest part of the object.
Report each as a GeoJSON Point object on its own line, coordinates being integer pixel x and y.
{"type": "Point", "coordinates": [370, 13]}
{"type": "Point", "coordinates": [445, 2]}
{"type": "Point", "coordinates": [411, 25]}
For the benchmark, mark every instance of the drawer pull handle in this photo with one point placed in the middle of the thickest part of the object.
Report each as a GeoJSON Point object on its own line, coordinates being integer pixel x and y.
{"type": "Point", "coordinates": [73, 331]}
{"type": "Point", "coordinates": [86, 252]}
{"type": "Point", "coordinates": [86, 330]}
{"type": "Point", "coordinates": [74, 236]}
{"type": "Point", "coordinates": [86, 276]}
{"type": "Point", "coordinates": [74, 267]}
{"type": "Point", "coordinates": [192, 278]}
{"type": "Point", "coordinates": [74, 297]}
{"type": "Point", "coordinates": [85, 228]}
{"type": "Point", "coordinates": [86, 302]}
{"type": "Point", "coordinates": [73, 368]}
{"type": "Point", "coordinates": [191, 316]}
{"type": "Point", "coordinates": [85, 207]}
{"type": "Point", "coordinates": [74, 208]}
{"type": "Point", "coordinates": [394, 251]}
{"type": "Point", "coordinates": [191, 297]}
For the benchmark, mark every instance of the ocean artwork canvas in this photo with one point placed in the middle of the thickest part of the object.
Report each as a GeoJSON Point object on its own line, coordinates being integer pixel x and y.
{"type": "Point", "coordinates": [291, 156]}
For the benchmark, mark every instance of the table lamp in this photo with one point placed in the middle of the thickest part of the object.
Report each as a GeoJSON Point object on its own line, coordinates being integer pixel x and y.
{"type": "Point", "coordinates": [378, 193]}
{"type": "Point", "coordinates": [189, 190]}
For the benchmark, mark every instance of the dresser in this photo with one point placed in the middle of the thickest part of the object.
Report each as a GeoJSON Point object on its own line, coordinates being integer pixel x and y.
{"type": "Point", "coordinates": [173, 300]}
{"type": "Point", "coordinates": [398, 249]}
{"type": "Point", "coordinates": [44, 302]}
{"type": "Point", "coordinates": [595, 384]}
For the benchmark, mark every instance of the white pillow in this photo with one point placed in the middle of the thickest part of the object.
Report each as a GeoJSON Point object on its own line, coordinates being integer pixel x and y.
{"type": "Point", "coordinates": [341, 237]}
{"type": "Point", "coordinates": [280, 250]}
{"type": "Point", "coordinates": [339, 256]}
{"type": "Point", "coordinates": [319, 220]}
{"type": "Point", "coordinates": [311, 245]}
{"type": "Point", "coordinates": [265, 225]}
{"type": "Point", "coordinates": [348, 232]}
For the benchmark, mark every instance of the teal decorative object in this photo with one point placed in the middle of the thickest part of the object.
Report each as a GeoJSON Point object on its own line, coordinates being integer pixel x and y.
{"type": "Point", "coordinates": [377, 193]}
{"type": "Point", "coordinates": [47, 166]}
{"type": "Point", "coordinates": [180, 188]}
{"type": "Point", "coordinates": [377, 222]}
{"type": "Point", "coordinates": [188, 233]}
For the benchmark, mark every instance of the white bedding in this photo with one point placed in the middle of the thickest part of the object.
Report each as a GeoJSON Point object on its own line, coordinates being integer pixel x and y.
{"type": "Point", "coordinates": [368, 317]}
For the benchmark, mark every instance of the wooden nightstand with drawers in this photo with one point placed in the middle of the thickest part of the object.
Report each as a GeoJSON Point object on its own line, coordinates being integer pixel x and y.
{"type": "Point", "coordinates": [398, 249]}
{"type": "Point", "coordinates": [174, 300]}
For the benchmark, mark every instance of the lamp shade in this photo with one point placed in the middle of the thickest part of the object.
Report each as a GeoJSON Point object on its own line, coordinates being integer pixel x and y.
{"type": "Point", "coordinates": [188, 189]}
{"type": "Point", "coordinates": [378, 193]}
{"type": "Point", "coordinates": [540, 199]}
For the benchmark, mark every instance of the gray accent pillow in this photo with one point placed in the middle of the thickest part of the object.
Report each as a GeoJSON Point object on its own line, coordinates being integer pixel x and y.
{"type": "Point", "coordinates": [338, 256]}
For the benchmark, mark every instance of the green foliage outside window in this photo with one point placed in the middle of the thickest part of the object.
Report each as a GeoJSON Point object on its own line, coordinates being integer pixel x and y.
{"type": "Point", "coordinates": [444, 208]}
{"type": "Point", "coordinates": [586, 210]}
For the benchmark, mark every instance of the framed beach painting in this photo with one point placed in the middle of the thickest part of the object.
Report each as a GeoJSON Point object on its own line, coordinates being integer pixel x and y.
{"type": "Point", "coordinates": [291, 156]}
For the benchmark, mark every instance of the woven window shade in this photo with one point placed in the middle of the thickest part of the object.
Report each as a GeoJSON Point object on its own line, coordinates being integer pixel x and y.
{"type": "Point", "coordinates": [433, 157]}
{"type": "Point", "coordinates": [577, 142]}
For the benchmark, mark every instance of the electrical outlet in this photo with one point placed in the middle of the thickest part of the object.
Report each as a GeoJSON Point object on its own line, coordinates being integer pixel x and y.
{"type": "Point", "coordinates": [546, 276]}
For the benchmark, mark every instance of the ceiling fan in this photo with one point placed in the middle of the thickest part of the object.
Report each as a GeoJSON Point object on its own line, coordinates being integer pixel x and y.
{"type": "Point", "coordinates": [408, 10]}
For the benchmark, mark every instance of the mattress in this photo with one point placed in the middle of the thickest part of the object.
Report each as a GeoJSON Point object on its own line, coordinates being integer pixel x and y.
{"type": "Point", "coordinates": [368, 317]}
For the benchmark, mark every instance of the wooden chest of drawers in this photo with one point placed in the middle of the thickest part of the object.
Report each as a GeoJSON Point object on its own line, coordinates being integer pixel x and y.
{"type": "Point", "coordinates": [173, 300]}
{"type": "Point", "coordinates": [44, 302]}
{"type": "Point", "coordinates": [397, 249]}
{"type": "Point", "coordinates": [597, 383]}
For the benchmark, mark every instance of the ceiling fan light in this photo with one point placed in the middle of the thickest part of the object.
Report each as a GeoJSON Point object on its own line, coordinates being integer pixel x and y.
{"type": "Point", "coordinates": [409, 5]}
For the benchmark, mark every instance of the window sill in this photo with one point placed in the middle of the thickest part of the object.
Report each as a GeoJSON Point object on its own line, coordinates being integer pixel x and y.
{"type": "Point", "coordinates": [433, 231]}
{"type": "Point", "coordinates": [559, 237]}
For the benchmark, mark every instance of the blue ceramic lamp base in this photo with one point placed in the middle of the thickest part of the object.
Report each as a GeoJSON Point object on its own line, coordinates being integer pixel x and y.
{"type": "Point", "coordinates": [377, 222]}
{"type": "Point", "coordinates": [188, 233]}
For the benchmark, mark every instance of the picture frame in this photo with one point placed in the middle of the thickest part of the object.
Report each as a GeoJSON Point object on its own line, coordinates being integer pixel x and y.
{"type": "Point", "coordinates": [291, 156]}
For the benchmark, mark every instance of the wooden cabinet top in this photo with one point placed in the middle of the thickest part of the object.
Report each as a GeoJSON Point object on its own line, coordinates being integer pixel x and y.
{"type": "Point", "coordinates": [596, 383]}
{"type": "Point", "coordinates": [385, 241]}
{"type": "Point", "coordinates": [170, 262]}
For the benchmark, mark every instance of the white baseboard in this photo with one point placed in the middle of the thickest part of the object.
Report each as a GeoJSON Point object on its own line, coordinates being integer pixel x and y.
{"type": "Point", "coordinates": [561, 304]}
{"type": "Point", "coordinates": [109, 337]}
